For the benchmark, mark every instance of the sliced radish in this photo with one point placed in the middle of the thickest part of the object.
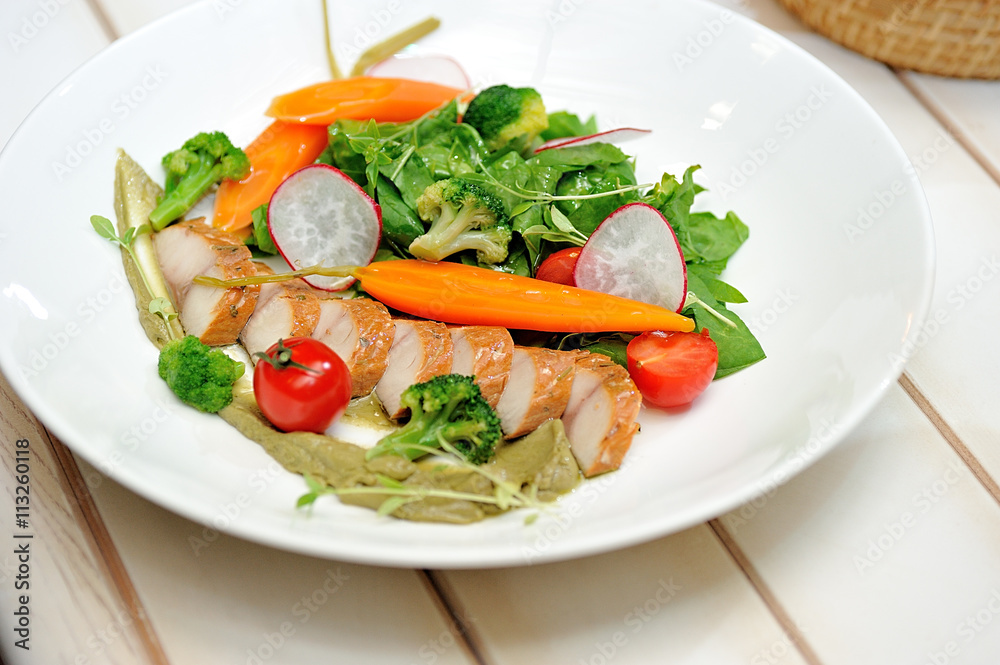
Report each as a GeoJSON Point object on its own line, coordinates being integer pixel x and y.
{"type": "Point", "coordinates": [634, 254]}
{"type": "Point", "coordinates": [439, 69]}
{"type": "Point", "coordinates": [616, 136]}
{"type": "Point", "coordinates": [319, 216]}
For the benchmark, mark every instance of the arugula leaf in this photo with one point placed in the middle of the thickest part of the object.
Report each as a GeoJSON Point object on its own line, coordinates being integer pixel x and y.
{"type": "Point", "coordinates": [587, 214]}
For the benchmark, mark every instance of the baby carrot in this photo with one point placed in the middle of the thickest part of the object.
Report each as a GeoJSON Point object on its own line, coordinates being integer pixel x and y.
{"type": "Point", "coordinates": [361, 98]}
{"type": "Point", "coordinates": [282, 149]}
{"type": "Point", "coordinates": [457, 293]}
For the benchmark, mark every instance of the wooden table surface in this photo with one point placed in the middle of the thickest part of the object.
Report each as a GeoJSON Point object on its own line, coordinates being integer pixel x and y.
{"type": "Point", "coordinates": [885, 551]}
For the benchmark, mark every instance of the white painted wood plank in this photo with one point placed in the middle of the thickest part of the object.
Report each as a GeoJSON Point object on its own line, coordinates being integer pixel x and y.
{"type": "Point", "coordinates": [957, 341]}
{"type": "Point", "coordinates": [886, 551]}
{"type": "Point", "coordinates": [58, 598]}
{"type": "Point", "coordinates": [883, 550]}
{"type": "Point", "coordinates": [971, 107]}
{"type": "Point", "coordinates": [43, 41]}
{"type": "Point", "coordinates": [679, 599]}
{"type": "Point", "coordinates": [216, 599]}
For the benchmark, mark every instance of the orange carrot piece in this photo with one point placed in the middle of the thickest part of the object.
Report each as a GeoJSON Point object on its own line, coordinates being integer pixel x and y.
{"type": "Point", "coordinates": [458, 293]}
{"type": "Point", "coordinates": [279, 151]}
{"type": "Point", "coordinates": [361, 98]}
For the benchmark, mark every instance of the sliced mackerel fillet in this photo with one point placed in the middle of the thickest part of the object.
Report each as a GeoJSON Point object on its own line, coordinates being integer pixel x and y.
{"type": "Point", "coordinates": [284, 309]}
{"type": "Point", "coordinates": [420, 351]}
{"type": "Point", "coordinates": [360, 331]}
{"type": "Point", "coordinates": [188, 249]}
{"type": "Point", "coordinates": [486, 353]}
{"type": "Point", "coordinates": [600, 417]}
{"type": "Point", "coordinates": [537, 390]}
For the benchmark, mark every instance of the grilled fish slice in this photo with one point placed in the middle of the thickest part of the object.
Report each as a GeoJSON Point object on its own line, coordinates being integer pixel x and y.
{"type": "Point", "coordinates": [485, 352]}
{"type": "Point", "coordinates": [284, 309]}
{"type": "Point", "coordinates": [537, 390]}
{"type": "Point", "coordinates": [600, 417]}
{"type": "Point", "coordinates": [188, 249]}
{"type": "Point", "coordinates": [420, 351]}
{"type": "Point", "coordinates": [360, 331]}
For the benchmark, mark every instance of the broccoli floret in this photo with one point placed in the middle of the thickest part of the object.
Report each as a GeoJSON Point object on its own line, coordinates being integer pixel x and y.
{"type": "Point", "coordinates": [203, 161]}
{"type": "Point", "coordinates": [502, 113]}
{"type": "Point", "coordinates": [199, 375]}
{"type": "Point", "coordinates": [463, 216]}
{"type": "Point", "coordinates": [446, 409]}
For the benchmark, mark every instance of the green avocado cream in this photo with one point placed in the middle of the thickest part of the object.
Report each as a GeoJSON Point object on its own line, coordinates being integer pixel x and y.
{"type": "Point", "coordinates": [540, 463]}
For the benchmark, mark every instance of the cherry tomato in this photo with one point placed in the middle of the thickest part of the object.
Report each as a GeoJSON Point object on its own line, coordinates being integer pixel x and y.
{"type": "Point", "coordinates": [301, 385]}
{"type": "Point", "coordinates": [558, 267]}
{"type": "Point", "coordinates": [672, 368]}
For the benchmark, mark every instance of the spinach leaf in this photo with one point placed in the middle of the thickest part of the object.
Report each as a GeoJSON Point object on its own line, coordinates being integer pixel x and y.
{"type": "Point", "coordinates": [400, 224]}
{"type": "Point", "coordinates": [575, 157]}
{"type": "Point", "coordinates": [613, 345]}
{"type": "Point", "coordinates": [738, 348]}
{"type": "Point", "coordinates": [340, 154]}
{"type": "Point", "coordinates": [563, 124]}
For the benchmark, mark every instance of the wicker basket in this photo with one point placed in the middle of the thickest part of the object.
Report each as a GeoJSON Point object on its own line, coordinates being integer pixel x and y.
{"type": "Point", "coordinates": [958, 38]}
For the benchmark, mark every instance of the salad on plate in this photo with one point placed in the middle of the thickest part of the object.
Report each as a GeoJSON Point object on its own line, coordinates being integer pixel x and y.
{"type": "Point", "coordinates": [437, 303]}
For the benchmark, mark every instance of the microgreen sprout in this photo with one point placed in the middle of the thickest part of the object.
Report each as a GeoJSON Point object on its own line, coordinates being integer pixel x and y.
{"type": "Point", "coordinates": [506, 495]}
{"type": "Point", "coordinates": [158, 306]}
{"type": "Point", "coordinates": [692, 299]}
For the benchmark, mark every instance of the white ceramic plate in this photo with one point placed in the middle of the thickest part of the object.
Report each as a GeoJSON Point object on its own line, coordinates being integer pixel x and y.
{"type": "Point", "coordinates": [837, 268]}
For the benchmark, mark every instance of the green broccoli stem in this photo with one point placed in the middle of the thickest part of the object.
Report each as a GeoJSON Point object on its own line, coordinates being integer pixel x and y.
{"type": "Point", "coordinates": [191, 187]}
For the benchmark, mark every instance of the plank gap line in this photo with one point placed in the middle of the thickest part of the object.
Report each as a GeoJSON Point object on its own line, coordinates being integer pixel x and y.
{"type": "Point", "coordinates": [107, 27]}
{"type": "Point", "coordinates": [784, 620]}
{"type": "Point", "coordinates": [458, 621]}
{"type": "Point", "coordinates": [952, 437]}
{"type": "Point", "coordinates": [106, 550]}
{"type": "Point", "coordinates": [949, 124]}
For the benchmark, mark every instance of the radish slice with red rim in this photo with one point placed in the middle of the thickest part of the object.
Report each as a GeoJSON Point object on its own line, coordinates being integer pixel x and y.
{"type": "Point", "coordinates": [439, 69]}
{"type": "Point", "coordinates": [634, 254]}
{"type": "Point", "coordinates": [319, 216]}
{"type": "Point", "coordinates": [615, 136]}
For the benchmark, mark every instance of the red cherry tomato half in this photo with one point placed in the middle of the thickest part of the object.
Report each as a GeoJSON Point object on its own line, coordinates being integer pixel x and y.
{"type": "Point", "coordinates": [558, 267]}
{"type": "Point", "coordinates": [672, 368]}
{"type": "Point", "coordinates": [301, 385]}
